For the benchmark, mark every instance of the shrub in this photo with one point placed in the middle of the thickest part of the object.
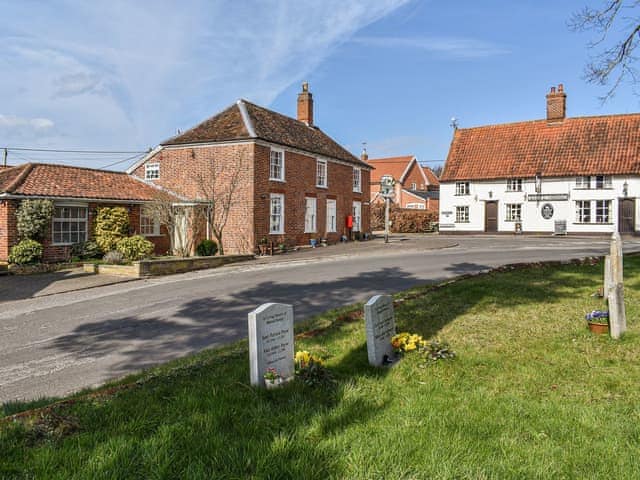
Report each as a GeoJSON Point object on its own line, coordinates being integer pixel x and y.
{"type": "Point", "coordinates": [27, 251]}
{"type": "Point", "coordinates": [113, 257]}
{"type": "Point", "coordinates": [403, 220]}
{"type": "Point", "coordinates": [207, 248]}
{"type": "Point", "coordinates": [111, 225]}
{"type": "Point", "coordinates": [135, 248]}
{"type": "Point", "coordinates": [33, 218]}
{"type": "Point", "coordinates": [88, 249]}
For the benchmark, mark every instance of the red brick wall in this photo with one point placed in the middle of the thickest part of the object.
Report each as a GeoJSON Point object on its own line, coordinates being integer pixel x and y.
{"type": "Point", "coordinates": [188, 171]}
{"type": "Point", "coordinates": [181, 171]}
{"type": "Point", "coordinates": [8, 230]}
{"type": "Point", "coordinates": [300, 182]}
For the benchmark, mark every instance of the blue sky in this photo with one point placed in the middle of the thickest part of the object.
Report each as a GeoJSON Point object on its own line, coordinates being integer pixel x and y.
{"type": "Point", "coordinates": [125, 75]}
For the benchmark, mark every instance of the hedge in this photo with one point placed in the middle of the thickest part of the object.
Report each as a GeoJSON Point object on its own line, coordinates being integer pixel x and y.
{"type": "Point", "coordinates": [404, 220]}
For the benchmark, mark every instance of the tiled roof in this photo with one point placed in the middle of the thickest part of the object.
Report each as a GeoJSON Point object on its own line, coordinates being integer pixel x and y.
{"type": "Point", "coordinates": [433, 194]}
{"type": "Point", "coordinates": [61, 181]}
{"type": "Point", "coordinates": [433, 180]}
{"type": "Point", "coordinates": [608, 145]}
{"type": "Point", "coordinates": [394, 166]}
{"type": "Point", "coordinates": [265, 124]}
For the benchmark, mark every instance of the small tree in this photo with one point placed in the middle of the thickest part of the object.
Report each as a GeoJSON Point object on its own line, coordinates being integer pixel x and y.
{"type": "Point", "coordinates": [111, 225]}
{"type": "Point", "coordinates": [219, 189]}
{"type": "Point", "coordinates": [33, 218]}
{"type": "Point", "coordinates": [184, 223]}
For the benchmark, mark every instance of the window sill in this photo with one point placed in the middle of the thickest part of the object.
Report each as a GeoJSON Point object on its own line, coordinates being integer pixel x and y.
{"type": "Point", "coordinates": [151, 235]}
{"type": "Point", "coordinates": [357, 191]}
{"type": "Point", "coordinates": [276, 233]}
{"type": "Point", "coordinates": [281, 180]}
{"type": "Point", "coordinates": [322, 186]}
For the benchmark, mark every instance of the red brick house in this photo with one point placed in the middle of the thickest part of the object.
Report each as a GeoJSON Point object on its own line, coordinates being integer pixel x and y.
{"type": "Point", "coordinates": [291, 181]}
{"type": "Point", "coordinates": [76, 193]}
{"type": "Point", "coordinates": [416, 186]}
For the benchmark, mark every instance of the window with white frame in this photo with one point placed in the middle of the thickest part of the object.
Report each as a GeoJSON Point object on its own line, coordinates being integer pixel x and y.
{"type": "Point", "coordinates": [462, 188]}
{"type": "Point", "coordinates": [603, 207]}
{"type": "Point", "coordinates": [414, 186]}
{"type": "Point", "coordinates": [321, 173]}
{"type": "Point", "coordinates": [462, 214]}
{"type": "Point", "coordinates": [149, 223]}
{"type": "Point", "coordinates": [357, 180]}
{"type": "Point", "coordinates": [69, 224]}
{"type": "Point", "coordinates": [331, 216]}
{"type": "Point", "coordinates": [583, 181]}
{"type": "Point", "coordinates": [276, 224]}
{"type": "Point", "coordinates": [514, 212]}
{"type": "Point", "coordinates": [152, 171]}
{"type": "Point", "coordinates": [514, 185]}
{"type": "Point", "coordinates": [276, 165]}
{"type": "Point", "coordinates": [357, 216]}
{"type": "Point", "coordinates": [603, 181]}
{"type": "Point", "coordinates": [310, 215]}
{"type": "Point", "coordinates": [583, 211]}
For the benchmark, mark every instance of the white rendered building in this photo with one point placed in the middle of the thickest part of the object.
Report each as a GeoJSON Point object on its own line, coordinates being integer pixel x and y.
{"type": "Point", "coordinates": [557, 175]}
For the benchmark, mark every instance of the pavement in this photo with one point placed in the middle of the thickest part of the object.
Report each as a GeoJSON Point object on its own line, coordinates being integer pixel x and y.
{"type": "Point", "coordinates": [20, 287]}
{"type": "Point", "coordinates": [56, 344]}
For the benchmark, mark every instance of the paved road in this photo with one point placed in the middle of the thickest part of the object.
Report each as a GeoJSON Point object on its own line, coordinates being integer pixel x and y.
{"type": "Point", "coordinates": [58, 344]}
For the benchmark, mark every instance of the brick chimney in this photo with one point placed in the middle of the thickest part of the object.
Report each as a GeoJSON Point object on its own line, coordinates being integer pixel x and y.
{"type": "Point", "coordinates": [305, 105]}
{"type": "Point", "coordinates": [556, 105]}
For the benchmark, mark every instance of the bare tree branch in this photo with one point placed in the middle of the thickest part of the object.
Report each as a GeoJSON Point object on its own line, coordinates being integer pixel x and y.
{"type": "Point", "coordinates": [614, 64]}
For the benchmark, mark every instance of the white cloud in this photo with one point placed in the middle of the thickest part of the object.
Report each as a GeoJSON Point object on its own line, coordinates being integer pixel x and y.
{"type": "Point", "coordinates": [132, 74]}
{"type": "Point", "coordinates": [451, 47]}
{"type": "Point", "coordinates": [11, 121]}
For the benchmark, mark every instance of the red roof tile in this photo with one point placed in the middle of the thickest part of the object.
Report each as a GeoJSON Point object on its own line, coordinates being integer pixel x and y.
{"type": "Point", "coordinates": [394, 166]}
{"type": "Point", "coordinates": [61, 181]}
{"type": "Point", "coordinates": [433, 180]}
{"type": "Point", "coordinates": [268, 125]}
{"type": "Point", "coordinates": [608, 145]}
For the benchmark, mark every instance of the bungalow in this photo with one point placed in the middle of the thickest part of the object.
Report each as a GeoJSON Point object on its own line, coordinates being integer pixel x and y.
{"type": "Point", "coordinates": [556, 175]}
{"type": "Point", "coordinates": [416, 186]}
{"type": "Point", "coordinates": [266, 176]}
{"type": "Point", "coordinates": [76, 193]}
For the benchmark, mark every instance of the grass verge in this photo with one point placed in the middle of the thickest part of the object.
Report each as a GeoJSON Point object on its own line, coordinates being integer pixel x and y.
{"type": "Point", "coordinates": [531, 394]}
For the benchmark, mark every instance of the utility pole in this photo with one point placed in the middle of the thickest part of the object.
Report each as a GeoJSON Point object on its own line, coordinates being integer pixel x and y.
{"type": "Point", "coordinates": [4, 157]}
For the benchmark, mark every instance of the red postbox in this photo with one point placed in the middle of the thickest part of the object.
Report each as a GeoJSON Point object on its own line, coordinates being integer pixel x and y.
{"type": "Point", "coordinates": [349, 222]}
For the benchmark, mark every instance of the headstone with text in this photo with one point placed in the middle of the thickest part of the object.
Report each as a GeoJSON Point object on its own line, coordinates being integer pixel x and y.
{"type": "Point", "coordinates": [380, 325]}
{"type": "Point", "coordinates": [271, 342]}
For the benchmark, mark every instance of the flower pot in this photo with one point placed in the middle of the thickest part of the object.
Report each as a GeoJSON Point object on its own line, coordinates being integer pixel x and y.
{"type": "Point", "coordinates": [599, 328]}
{"type": "Point", "coordinates": [273, 383]}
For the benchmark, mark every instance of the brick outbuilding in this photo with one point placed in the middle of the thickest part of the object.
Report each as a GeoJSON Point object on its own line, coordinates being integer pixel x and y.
{"type": "Point", "coordinates": [76, 193]}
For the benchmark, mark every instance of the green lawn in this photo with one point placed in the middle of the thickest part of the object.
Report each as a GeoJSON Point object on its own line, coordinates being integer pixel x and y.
{"type": "Point", "coordinates": [532, 394]}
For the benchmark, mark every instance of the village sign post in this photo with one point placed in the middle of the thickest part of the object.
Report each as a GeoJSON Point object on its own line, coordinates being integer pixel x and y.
{"type": "Point", "coordinates": [386, 190]}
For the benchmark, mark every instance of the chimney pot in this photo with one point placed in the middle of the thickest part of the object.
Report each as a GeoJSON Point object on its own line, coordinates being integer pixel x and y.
{"type": "Point", "coordinates": [305, 105]}
{"type": "Point", "coordinates": [561, 88]}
